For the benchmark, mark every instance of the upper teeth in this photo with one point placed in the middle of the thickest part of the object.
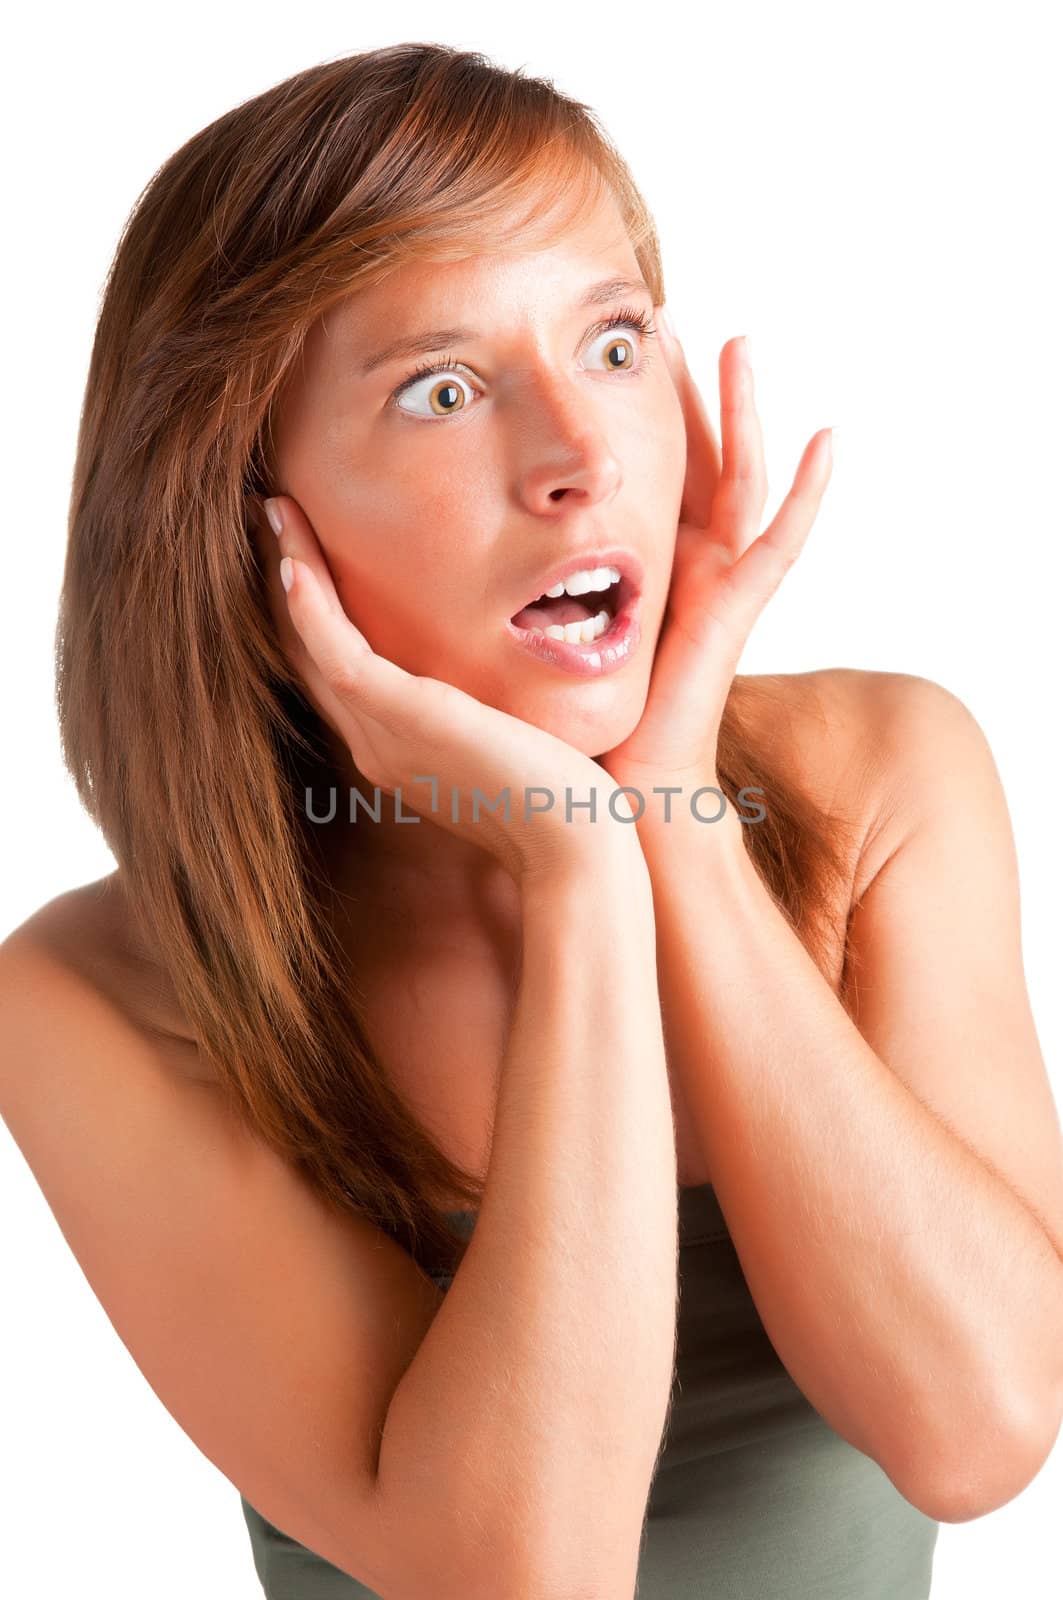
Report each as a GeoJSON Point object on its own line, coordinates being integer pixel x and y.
{"type": "Point", "coordinates": [588, 580]}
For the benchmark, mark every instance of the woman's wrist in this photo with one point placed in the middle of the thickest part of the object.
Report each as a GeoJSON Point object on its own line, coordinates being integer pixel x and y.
{"type": "Point", "coordinates": [602, 869]}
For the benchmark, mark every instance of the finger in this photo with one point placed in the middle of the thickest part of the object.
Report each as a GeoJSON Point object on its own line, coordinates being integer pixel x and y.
{"type": "Point", "coordinates": [758, 573]}
{"type": "Point", "coordinates": [354, 679]}
{"type": "Point", "coordinates": [743, 489]}
{"type": "Point", "coordinates": [703, 451]}
{"type": "Point", "coordinates": [297, 538]}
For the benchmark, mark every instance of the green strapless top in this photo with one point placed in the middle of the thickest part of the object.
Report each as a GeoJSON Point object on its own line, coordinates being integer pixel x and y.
{"type": "Point", "coordinates": [755, 1496]}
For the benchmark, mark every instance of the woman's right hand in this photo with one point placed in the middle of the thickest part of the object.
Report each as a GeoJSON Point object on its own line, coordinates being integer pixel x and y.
{"type": "Point", "coordinates": [400, 727]}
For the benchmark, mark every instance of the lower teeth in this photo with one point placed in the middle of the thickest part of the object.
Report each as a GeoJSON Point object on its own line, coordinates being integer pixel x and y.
{"type": "Point", "coordinates": [584, 632]}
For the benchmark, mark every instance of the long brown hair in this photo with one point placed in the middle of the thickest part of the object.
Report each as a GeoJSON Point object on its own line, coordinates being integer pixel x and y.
{"type": "Point", "coordinates": [182, 722]}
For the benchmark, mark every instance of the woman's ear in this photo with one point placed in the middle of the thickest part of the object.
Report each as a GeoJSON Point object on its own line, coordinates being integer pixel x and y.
{"type": "Point", "coordinates": [267, 554]}
{"type": "Point", "coordinates": [254, 512]}
{"type": "Point", "coordinates": [261, 534]}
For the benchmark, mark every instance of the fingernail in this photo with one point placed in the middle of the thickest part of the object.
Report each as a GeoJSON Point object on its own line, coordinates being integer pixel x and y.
{"type": "Point", "coordinates": [669, 325]}
{"type": "Point", "coordinates": [286, 572]}
{"type": "Point", "coordinates": [273, 512]}
{"type": "Point", "coordinates": [747, 354]}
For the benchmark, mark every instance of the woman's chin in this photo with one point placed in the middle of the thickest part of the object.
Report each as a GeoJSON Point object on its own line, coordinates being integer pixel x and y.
{"type": "Point", "coordinates": [593, 715]}
{"type": "Point", "coordinates": [592, 735]}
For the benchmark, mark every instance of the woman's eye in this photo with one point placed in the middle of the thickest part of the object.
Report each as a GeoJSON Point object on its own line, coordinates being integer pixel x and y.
{"type": "Point", "coordinates": [621, 351]}
{"type": "Point", "coordinates": [445, 393]}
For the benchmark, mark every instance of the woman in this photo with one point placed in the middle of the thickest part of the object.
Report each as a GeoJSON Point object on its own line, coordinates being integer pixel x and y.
{"type": "Point", "coordinates": [552, 1199]}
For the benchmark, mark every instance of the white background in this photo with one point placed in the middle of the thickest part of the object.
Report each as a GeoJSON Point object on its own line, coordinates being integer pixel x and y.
{"type": "Point", "coordinates": [872, 195]}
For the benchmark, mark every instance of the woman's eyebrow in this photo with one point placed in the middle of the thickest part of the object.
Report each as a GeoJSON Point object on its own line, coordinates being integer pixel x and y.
{"type": "Point", "coordinates": [439, 338]}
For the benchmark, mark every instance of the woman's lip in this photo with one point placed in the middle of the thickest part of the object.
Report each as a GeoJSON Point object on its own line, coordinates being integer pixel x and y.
{"type": "Point", "coordinates": [627, 562]}
{"type": "Point", "coordinates": [605, 654]}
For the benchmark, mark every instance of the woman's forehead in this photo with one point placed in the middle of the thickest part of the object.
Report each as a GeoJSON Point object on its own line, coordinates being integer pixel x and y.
{"type": "Point", "coordinates": [592, 244]}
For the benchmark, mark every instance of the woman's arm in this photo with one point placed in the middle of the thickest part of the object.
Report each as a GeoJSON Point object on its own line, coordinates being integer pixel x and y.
{"type": "Point", "coordinates": [537, 1401]}
{"type": "Point", "coordinates": [892, 1179]}
{"type": "Point", "coordinates": [531, 1417]}
{"type": "Point", "coordinates": [497, 1441]}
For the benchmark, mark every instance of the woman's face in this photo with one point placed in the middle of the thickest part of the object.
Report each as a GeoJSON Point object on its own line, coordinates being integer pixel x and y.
{"type": "Point", "coordinates": [442, 509]}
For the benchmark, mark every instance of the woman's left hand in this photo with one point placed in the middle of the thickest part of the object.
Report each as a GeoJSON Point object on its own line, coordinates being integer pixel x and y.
{"type": "Point", "coordinates": [723, 575]}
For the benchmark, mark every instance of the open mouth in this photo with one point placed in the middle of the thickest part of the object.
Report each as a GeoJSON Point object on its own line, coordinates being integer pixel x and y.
{"type": "Point", "coordinates": [579, 618]}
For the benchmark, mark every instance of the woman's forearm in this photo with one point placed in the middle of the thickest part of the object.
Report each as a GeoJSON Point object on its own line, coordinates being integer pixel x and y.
{"type": "Point", "coordinates": [906, 1288]}
{"type": "Point", "coordinates": [534, 1408]}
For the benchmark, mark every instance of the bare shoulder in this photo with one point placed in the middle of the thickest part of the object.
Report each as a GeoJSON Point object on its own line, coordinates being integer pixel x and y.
{"type": "Point", "coordinates": [274, 1328]}
{"type": "Point", "coordinates": [77, 1047]}
{"type": "Point", "coordinates": [86, 940]}
{"type": "Point", "coordinates": [851, 737]}
{"type": "Point", "coordinates": [824, 726]}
